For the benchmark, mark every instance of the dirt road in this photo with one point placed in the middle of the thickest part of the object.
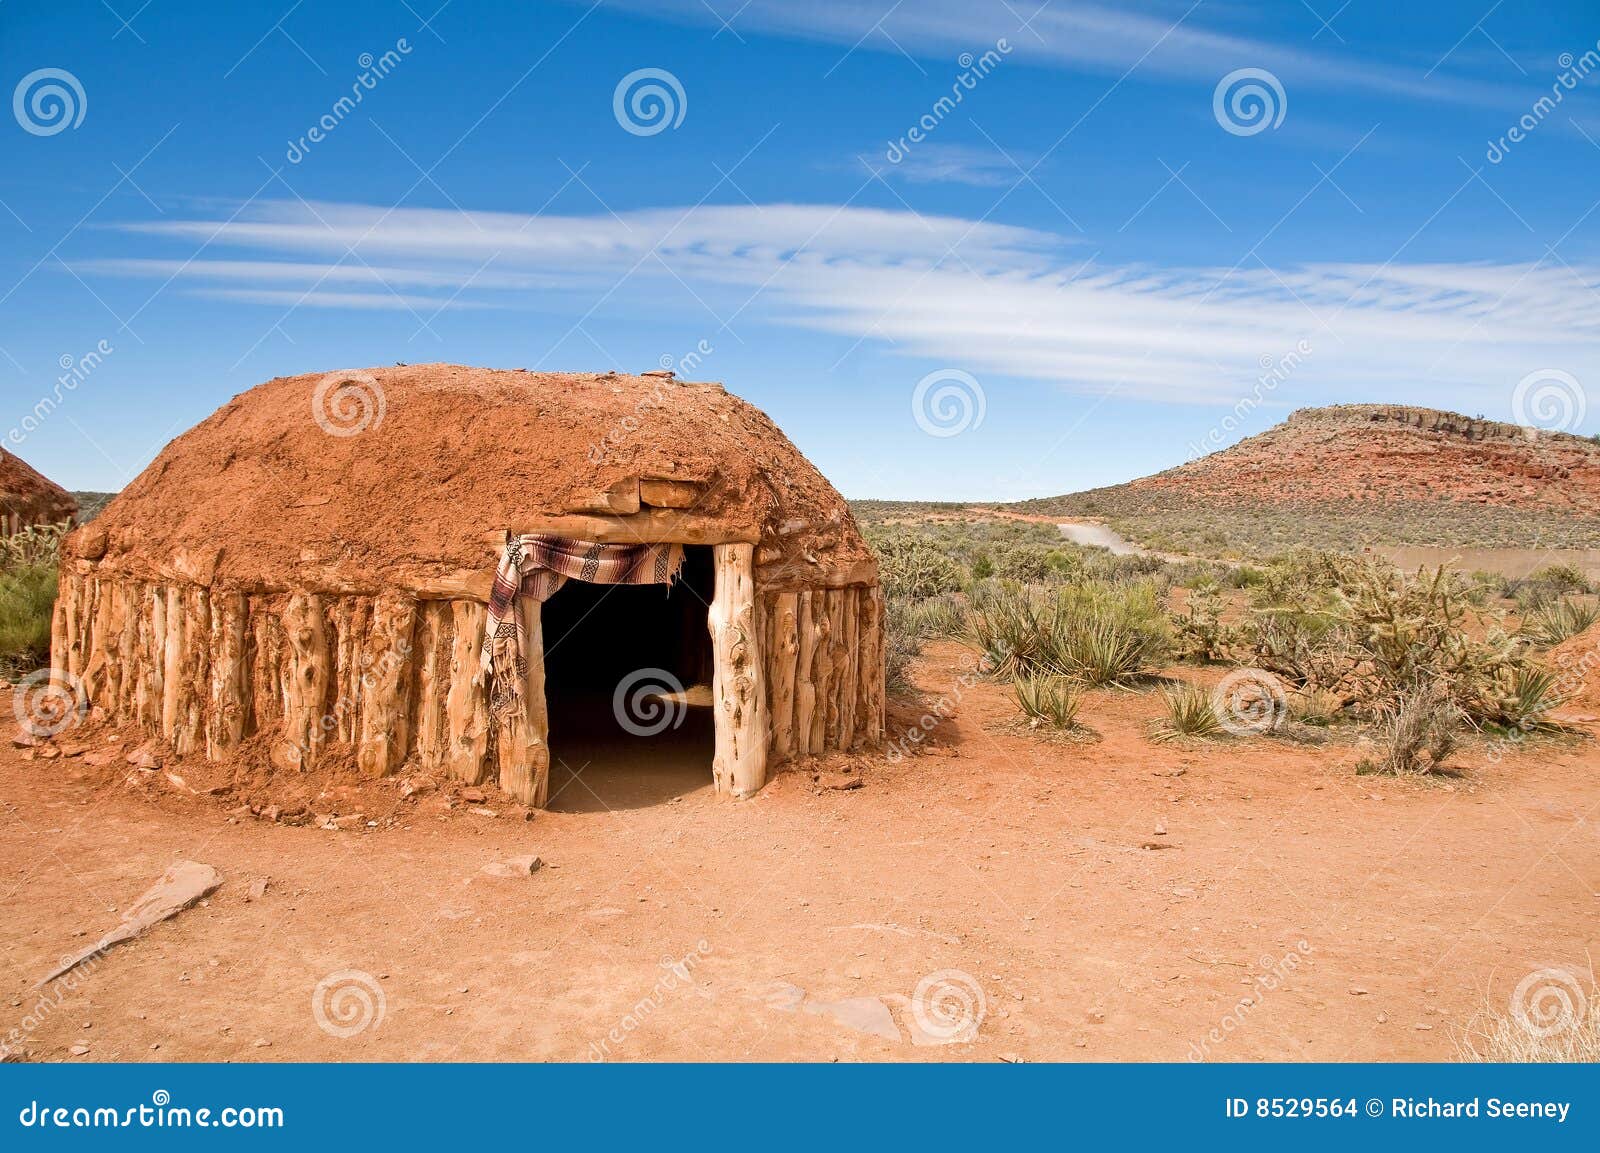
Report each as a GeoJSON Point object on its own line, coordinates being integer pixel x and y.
{"type": "Point", "coordinates": [1291, 911]}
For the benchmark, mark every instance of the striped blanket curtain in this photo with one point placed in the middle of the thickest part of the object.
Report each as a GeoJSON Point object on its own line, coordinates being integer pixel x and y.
{"type": "Point", "coordinates": [536, 566]}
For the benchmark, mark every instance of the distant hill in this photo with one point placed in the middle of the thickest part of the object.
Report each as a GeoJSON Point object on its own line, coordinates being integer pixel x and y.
{"type": "Point", "coordinates": [1362, 474]}
{"type": "Point", "coordinates": [90, 504]}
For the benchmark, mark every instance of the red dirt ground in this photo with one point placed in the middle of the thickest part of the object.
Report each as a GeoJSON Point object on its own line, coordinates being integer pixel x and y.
{"type": "Point", "coordinates": [1018, 861]}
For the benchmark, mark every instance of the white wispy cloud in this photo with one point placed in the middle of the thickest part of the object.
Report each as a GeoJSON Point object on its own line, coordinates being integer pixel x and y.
{"type": "Point", "coordinates": [985, 297]}
{"type": "Point", "coordinates": [1165, 38]}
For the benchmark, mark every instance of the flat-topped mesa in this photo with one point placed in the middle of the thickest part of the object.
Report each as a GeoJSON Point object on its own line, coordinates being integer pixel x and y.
{"type": "Point", "coordinates": [1425, 419]}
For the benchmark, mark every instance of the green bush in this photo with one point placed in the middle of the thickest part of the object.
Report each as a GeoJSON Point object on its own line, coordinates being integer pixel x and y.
{"type": "Point", "coordinates": [28, 579]}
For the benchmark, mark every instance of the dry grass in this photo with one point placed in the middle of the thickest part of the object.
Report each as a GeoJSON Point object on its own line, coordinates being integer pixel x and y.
{"type": "Point", "coordinates": [1551, 1018]}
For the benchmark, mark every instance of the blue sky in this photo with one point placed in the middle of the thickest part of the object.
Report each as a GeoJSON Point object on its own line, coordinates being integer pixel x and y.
{"type": "Point", "coordinates": [1076, 274]}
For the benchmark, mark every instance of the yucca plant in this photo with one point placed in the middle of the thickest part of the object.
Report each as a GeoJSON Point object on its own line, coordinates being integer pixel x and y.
{"type": "Point", "coordinates": [1047, 699]}
{"type": "Point", "coordinates": [1553, 621]}
{"type": "Point", "coordinates": [1190, 713]}
{"type": "Point", "coordinates": [1521, 696]}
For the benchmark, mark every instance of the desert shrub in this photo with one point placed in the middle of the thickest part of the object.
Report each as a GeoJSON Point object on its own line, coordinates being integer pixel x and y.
{"type": "Point", "coordinates": [28, 579]}
{"type": "Point", "coordinates": [1046, 699]}
{"type": "Point", "coordinates": [903, 640]}
{"type": "Point", "coordinates": [1553, 621]}
{"type": "Point", "coordinates": [1199, 634]}
{"type": "Point", "coordinates": [1418, 731]}
{"type": "Point", "coordinates": [1190, 713]}
{"type": "Point", "coordinates": [912, 567]}
{"type": "Point", "coordinates": [1097, 633]}
{"type": "Point", "coordinates": [1562, 578]}
{"type": "Point", "coordinates": [1520, 696]}
{"type": "Point", "coordinates": [982, 567]}
{"type": "Point", "coordinates": [1315, 706]}
{"type": "Point", "coordinates": [1029, 564]}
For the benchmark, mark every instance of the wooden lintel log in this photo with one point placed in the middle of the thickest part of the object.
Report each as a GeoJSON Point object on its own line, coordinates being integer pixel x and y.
{"type": "Point", "coordinates": [385, 726]}
{"type": "Point", "coordinates": [738, 691]}
{"type": "Point", "coordinates": [230, 674]}
{"type": "Point", "coordinates": [523, 737]}
{"type": "Point", "coordinates": [467, 708]}
{"type": "Point", "coordinates": [782, 650]}
{"type": "Point", "coordinates": [621, 499]}
{"type": "Point", "coordinates": [650, 525]}
{"type": "Point", "coordinates": [307, 676]}
{"type": "Point", "coordinates": [801, 574]}
{"type": "Point", "coordinates": [664, 492]}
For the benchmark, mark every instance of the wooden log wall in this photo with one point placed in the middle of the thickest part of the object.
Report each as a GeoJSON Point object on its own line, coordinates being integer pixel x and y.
{"type": "Point", "coordinates": [800, 672]}
{"type": "Point", "coordinates": [393, 678]}
{"type": "Point", "coordinates": [824, 650]}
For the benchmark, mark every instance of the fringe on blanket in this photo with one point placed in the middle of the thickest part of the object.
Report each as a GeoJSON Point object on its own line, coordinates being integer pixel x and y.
{"type": "Point", "coordinates": [536, 566]}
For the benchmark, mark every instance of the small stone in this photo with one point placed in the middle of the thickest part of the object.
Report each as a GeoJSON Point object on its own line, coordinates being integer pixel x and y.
{"type": "Point", "coordinates": [1423, 1027]}
{"type": "Point", "coordinates": [483, 812]}
{"type": "Point", "coordinates": [1383, 1018]}
{"type": "Point", "coordinates": [840, 781]}
{"type": "Point", "coordinates": [1160, 829]}
{"type": "Point", "coordinates": [473, 796]}
{"type": "Point", "coordinates": [258, 889]}
{"type": "Point", "coordinates": [79, 1050]}
{"type": "Point", "coordinates": [261, 1043]}
{"type": "Point", "coordinates": [1357, 991]}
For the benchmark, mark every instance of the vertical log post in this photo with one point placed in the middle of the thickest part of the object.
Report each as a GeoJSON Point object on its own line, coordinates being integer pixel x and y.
{"type": "Point", "coordinates": [307, 675]}
{"type": "Point", "coordinates": [524, 738]}
{"type": "Point", "coordinates": [738, 693]}
{"type": "Point", "coordinates": [784, 648]}
{"type": "Point", "coordinates": [466, 710]}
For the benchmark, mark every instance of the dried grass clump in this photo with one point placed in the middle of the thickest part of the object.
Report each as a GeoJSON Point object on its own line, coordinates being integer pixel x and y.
{"type": "Point", "coordinates": [1418, 732]}
{"type": "Point", "coordinates": [1555, 1021]}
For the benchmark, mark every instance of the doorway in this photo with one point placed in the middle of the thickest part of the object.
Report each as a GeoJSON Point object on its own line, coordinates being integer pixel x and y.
{"type": "Point", "coordinates": [628, 689]}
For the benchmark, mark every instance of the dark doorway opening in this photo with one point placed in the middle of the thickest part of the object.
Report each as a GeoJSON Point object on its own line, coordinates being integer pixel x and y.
{"type": "Point", "coordinates": [627, 683]}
